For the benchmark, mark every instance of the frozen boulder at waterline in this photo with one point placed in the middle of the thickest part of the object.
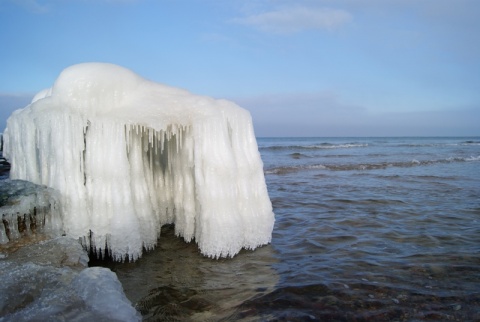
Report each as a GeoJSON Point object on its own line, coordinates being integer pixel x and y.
{"type": "Point", "coordinates": [27, 208]}
{"type": "Point", "coordinates": [50, 281]}
{"type": "Point", "coordinates": [129, 155]}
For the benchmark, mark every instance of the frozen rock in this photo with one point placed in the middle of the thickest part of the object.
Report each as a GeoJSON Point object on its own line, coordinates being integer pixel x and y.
{"type": "Point", "coordinates": [50, 282]}
{"type": "Point", "coordinates": [27, 208]}
{"type": "Point", "coordinates": [129, 155]}
{"type": "Point", "coordinates": [57, 252]}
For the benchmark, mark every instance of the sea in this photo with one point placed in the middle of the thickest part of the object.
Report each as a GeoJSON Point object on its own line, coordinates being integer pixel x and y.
{"type": "Point", "coordinates": [367, 229]}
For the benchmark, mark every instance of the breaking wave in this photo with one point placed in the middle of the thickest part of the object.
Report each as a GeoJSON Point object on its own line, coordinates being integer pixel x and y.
{"type": "Point", "coordinates": [297, 155]}
{"type": "Point", "coordinates": [470, 142]}
{"type": "Point", "coordinates": [367, 166]}
{"type": "Point", "coordinates": [435, 144]}
{"type": "Point", "coordinates": [320, 146]}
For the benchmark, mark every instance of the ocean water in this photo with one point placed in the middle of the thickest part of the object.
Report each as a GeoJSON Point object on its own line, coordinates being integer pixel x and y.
{"type": "Point", "coordinates": [367, 229]}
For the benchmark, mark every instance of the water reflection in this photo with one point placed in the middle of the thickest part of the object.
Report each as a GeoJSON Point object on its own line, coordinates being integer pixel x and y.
{"type": "Point", "coordinates": [391, 243]}
{"type": "Point", "coordinates": [175, 282]}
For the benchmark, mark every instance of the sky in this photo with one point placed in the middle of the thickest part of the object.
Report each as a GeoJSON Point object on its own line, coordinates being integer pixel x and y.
{"type": "Point", "coordinates": [301, 67]}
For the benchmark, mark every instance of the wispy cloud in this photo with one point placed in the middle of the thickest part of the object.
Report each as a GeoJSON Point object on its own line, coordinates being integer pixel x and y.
{"type": "Point", "coordinates": [40, 7]}
{"type": "Point", "coordinates": [32, 5]}
{"type": "Point", "coordinates": [314, 113]}
{"type": "Point", "coordinates": [122, 1]}
{"type": "Point", "coordinates": [326, 113]}
{"type": "Point", "coordinates": [289, 20]}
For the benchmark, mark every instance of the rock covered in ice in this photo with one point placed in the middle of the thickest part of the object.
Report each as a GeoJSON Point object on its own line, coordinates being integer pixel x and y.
{"type": "Point", "coordinates": [27, 208]}
{"type": "Point", "coordinates": [4, 164]}
{"type": "Point", "coordinates": [129, 155]}
{"type": "Point", "coordinates": [49, 281]}
{"type": "Point", "coordinates": [57, 252]}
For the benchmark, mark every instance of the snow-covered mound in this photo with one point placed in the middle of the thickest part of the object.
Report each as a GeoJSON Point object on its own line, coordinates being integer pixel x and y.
{"type": "Point", "coordinates": [129, 155]}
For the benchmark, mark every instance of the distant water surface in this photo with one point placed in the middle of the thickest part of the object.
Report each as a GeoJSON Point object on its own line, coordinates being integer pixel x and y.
{"type": "Point", "coordinates": [367, 229]}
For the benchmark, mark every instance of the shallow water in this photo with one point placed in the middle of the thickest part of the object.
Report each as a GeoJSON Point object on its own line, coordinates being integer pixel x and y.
{"type": "Point", "coordinates": [175, 282]}
{"type": "Point", "coordinates": [366, 229]}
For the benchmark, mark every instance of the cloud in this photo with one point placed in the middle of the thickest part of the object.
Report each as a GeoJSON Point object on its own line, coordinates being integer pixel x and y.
{"type": "Point", "coordinates": [33, 6]}
{"type": "Point", "coordinates": [121, 1]}
{"type": "Point", "coordinates": [326, 113]}
{"type": "Point", "coordinates": [40, 7]}
{"type": "Point", "coordinates": [301, 114]}
{"type": "Point", "coordinates": [289, 20]}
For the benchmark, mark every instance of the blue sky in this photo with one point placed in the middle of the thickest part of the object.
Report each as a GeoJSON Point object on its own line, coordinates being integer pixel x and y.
{"type": "Point", "coordinates": [301, 67]}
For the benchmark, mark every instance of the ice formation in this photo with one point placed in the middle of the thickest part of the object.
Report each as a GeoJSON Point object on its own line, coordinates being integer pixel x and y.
{"type": "Point", "coordinates": [27, 208]}
{"type": "Point", "coordinates": [129, 155]}
{"type": "Point", "coordinates": [50, 281]}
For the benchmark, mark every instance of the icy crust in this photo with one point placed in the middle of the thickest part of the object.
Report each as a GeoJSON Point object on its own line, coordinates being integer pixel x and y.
{"type": "Point", "coordinates": [50, 281]}
{"type": "Point", "coordinates": [27, 208]}
{"type": "Point", "coordinates": [129, 155]}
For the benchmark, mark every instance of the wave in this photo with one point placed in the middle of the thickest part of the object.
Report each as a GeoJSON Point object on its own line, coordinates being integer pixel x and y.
{"type": "Point", "coordinates": [470, 142]}
{"type": "Point", "coordinates": [290, 169]}
{"type": "Point", "coordinates": [366, 166]}
{"type": "Point", "coordinates": [472, 158]}
{"type": "Point", "coordinates": [424, 144]}
{"type": "Point", "coordinates": [320, 146]}
{"type": "Point", "coordinates": [297, 155]}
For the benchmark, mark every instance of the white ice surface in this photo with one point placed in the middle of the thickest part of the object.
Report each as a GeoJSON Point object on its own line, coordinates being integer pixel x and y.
{"type": "Point", "coordinates": [129, 155]}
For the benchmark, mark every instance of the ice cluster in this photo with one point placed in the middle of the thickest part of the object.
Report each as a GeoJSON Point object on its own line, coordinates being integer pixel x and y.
{"type": "Point", "coordinates": [129, 155]}
{"type": "Point", "coordinates": [27, 208]}
{"type": "Point", "coordinates": [50, 281]}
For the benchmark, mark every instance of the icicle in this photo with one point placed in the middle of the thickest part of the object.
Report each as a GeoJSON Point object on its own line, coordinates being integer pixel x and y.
{"type": "Point", "coordinates": [127, 137]}
{"type": "Point", "coordinates": [27, 224]}
{"type": "Point", "coordinates": [155, 142]}
{"type": "Point", "coordinates": [150, 137]}
{"type": "Point", "coordinates": [150, 159]}
{"type": "Point", "coordinates": [3, 234]}
{"type": "Point", "coordinates": [144, 142]}
{"type": "Point", "coordinates": [176, 140]}
{"type": "Point", "coordinates": [162, 140]}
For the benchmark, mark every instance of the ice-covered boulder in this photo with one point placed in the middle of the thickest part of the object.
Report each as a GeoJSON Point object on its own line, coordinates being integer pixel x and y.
{"type": "Point", "coordinates": [50, 281]}
{"type": "Point", "coordinates": [27, 208]}
{"type": "Point", "coordinates": [129, 155]}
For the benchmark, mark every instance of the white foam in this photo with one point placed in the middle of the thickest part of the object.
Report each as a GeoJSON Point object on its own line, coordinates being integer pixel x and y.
{"type": "Point", "coordinates": [129, 155]}
{"type": "Point", "coordinates": [472, 158]}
